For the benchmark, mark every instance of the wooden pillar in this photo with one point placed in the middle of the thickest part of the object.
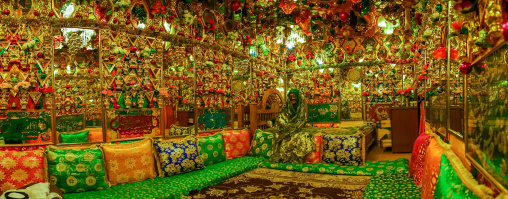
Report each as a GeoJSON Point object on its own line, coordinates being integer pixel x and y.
{"type": "Point", "coordinates": [241, 115]}
{"type": "Point", "coordinates": [253, 119]}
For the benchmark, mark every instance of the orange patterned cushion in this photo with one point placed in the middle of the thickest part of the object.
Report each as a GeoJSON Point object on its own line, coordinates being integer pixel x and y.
{"type": "Point", "coordinates": [431, 168]}
{"type": "Point", "coordinates": [315, 156]}
{"type": "Point", "coordinates": [20, 168]}
{"type": "Point", "coordinates": [130, 162]}
{"type": "Point", "coordinates": [237, 143]}
{"type": "Point", "coordinates": [95, 135]}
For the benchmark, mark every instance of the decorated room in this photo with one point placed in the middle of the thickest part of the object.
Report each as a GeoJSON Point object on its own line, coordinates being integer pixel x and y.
{"type": "Point", "coordinates": [253, 99]}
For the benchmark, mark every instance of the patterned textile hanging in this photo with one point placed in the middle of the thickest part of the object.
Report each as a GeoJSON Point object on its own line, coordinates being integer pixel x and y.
{"type": "Point", "coordinates": [419, 149]}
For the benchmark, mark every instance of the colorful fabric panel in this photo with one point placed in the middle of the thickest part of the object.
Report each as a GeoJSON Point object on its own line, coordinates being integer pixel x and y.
{"type": "Point", "coordinates": [343, 150]}
{"type": "Point", "coordinates": [449, 184]}
{"type": "Point", "coordinates": [431, 168]}
{"type": "Point", "coordinates": [176, 157]}
{"type": "Point", "coordinates": [418, 157]}
{"type": "Point", "coordinates": [76, 169]}
{"type": "Point", "coordinates": [179, 130]}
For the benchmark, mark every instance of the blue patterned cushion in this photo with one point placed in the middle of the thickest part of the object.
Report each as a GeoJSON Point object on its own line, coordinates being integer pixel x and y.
{"type": "Point", "coordinates": [344, 149]}
{"type": "Point", "coordinates": [180, 130]}
{"type": "Point", "coordinates": [176, 157]}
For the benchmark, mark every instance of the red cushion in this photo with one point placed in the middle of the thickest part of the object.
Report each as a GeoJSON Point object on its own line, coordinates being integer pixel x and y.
{"type": "Point", "coordinates": [236, 142]}
{"type": "Point", "coordinates": [20, 168]}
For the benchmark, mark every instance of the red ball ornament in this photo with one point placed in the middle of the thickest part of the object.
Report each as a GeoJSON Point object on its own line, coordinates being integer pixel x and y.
{"type": "Point", "coordinates": [7, 12]}
{"type": "Point", "coordinates": [111, 58]}
{"type": "Point", "coordinates": [77, 15]}
{"type": "Point", "coordinates": [465, 68]}
{"type": "Point", "coordinates": [116, 106]}
{"type": "Point", "coordinates": [235, 6]}
{"type": "Point", "coordinates": [151, 28]}
{"type": "Point", "coordinates": [51, 13]}
{"type": "Point", "coordinates": [36, 13]}
{"type": "Point", "coordinates": [115, 20]}
{"type": "Point", "coordinates": [128, 22]}
{"type": "Point", "coordinates": [504, 30]}
{"type": "Point", "coordinates": [343, 16]}
{"type": "Point", "coordinates": [134, 48]}
{"type": "Point", "coordinates": [161, 29]}
{"type": "Point", "coordinates": [128, 15]}
{"type": "Point", "coordinates": [40, 55]}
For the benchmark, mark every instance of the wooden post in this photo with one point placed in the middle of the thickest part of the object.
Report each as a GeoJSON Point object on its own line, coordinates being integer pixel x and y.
{"type": "Point", "coordinates": [241, 115]}
{"type": "Point", "coordinates": [253, 119]}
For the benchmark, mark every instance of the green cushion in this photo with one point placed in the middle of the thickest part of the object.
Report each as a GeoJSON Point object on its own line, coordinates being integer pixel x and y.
{"type": "Point", "coordinates": [76, 170]}
{"type": "Point", "coordinates": [81, 137]}
{"type": "Point", "coordinates": [262, 144]}
{"type": "Point", "coordinates": [211, 149]}
{"type": "Point", "coordinates": [449, 184]}
{"type": "Point", "coordinates": [370, 168]}
{"type": "Point", "coordinates": [176, 186]}
{"type": "Point", "coordinates": [388, 186]}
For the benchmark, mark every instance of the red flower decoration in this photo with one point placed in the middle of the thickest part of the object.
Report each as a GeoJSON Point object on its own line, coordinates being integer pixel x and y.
{"type": "Point", "coordinates": [49, 90]}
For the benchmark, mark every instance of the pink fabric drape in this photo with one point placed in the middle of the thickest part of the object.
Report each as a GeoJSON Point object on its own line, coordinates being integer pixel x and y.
{"type": "Point", "coordinates": [419, 149]}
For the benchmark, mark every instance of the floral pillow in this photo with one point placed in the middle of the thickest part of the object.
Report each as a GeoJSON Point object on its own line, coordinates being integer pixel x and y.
{"type": "Point", "coordinates": [129, 162]}
{"type": "Point", "coordinates": [76, 169]}
{"type": "Point", "coordinates": [80, 137]}
{"type": "Point", "coordinates": [236, 143]}
{"type": "Point", "coordinates": [176, 157]}
{"type": "Point", "coordinates": [344, 150]}
{"type": "Point", "coordinates": [315, 156]}
{"type": "Point", "coordinates": [180, 130]}
{"type": "Point", "coordinates": [262, 144]}
{"type": "Point", "coordinates": [20, 168]}
{"type": "Point", "coordinates": [211, 149]}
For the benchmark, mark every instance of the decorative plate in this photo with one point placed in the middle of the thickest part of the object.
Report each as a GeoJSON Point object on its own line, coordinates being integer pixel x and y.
{"type": "Point", "coordinates": [354, 75]}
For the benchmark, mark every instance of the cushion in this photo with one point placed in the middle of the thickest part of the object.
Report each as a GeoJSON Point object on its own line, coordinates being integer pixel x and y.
{"type": "Point", "coordinates": [431, 168]}
{"type": "Point", "coordinates": [95, 135]}
{"type": "Point", "coordinates": [449, 185]}
{"type": "Point", "coordinates": [343, 149]}
{"type": "Point", "coordinates": [176, 157]}
{"type": "Point", "coordinates": [180, 130]}
{"type": "Point", "coordinates": [262, 144]}
{"type": "Point", "coordinates": [129, 162]}
{"type": "Point", "coordinates": [418, 157]}
{"type": "Point", "coordinates": [80, 137]}
{"type": "Point", "coordinates": [76, 169]}
{"type": "Point", "coordinates": [237, 143]}
{"type": "Point", "coordinates": [315, 156]}
{"type": "Point", "coordinates": [211, 149]}
{"type": "Point", "coordinates": [20, 168]}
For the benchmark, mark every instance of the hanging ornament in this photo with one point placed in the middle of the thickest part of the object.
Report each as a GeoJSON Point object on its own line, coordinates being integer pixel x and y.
{"type": "Point", "coordinates": [439, 8]}
{"type": "Point", "coordinates": [235, 6]}
{"type": "Point", "coordinates": [343, 16]}
{"type": "Point", "coordinates": [504, 30]}
{"type": "Point", "coordinates": [465, 68]}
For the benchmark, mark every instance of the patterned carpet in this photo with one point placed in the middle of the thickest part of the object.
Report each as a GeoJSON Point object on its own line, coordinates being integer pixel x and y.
{"type": "Point", "coordinates": [279, 184]}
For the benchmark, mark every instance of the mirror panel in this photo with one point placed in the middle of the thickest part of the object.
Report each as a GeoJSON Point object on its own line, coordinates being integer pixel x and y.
{"type": "Point", "coordinates": [77, 86]}
{"type": "Point", "coordinates": [26, 85]}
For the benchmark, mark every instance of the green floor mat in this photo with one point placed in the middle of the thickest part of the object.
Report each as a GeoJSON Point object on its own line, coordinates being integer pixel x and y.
{"type": "Point", "coordinates": [371, 168]}
{"type": "Point", "coordinates": [175, 186]}
{"type": "Point", "coordinates": [399, 185]}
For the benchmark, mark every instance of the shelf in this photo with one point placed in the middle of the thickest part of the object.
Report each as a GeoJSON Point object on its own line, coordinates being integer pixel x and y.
{"type": "Point", "coordinates": [489, 51]}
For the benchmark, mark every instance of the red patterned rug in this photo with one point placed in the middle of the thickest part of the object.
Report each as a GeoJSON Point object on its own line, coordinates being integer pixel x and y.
{"type": "Point", "coordinates": [279, 184]}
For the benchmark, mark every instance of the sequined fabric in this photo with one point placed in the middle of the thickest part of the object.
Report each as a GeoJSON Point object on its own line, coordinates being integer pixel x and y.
{"type": "Point", "coordinates": [130, 162]}
{"type": "Point", "coordinates": [20, 168]}
{"type": "Point", "coordinates": [431, 168]}
{"type": "Point", "coordinates": [343, 150]}
{"type": "Point", "coordinates": [76, 169]}
{"type": "Point", "coordinates": [419, 150]}
{"type": "Point", "coordinates": [176, 157]}
{"type": "Point", "coordinates": [237, 143]}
